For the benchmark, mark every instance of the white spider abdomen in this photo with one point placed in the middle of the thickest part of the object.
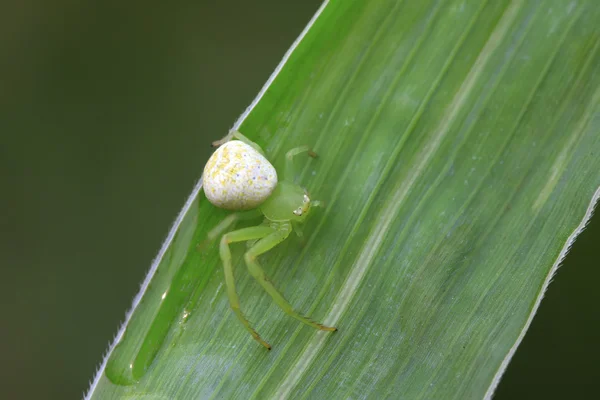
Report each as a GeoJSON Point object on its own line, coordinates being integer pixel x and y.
{"type": "Point", "coordinates": [237, 177]}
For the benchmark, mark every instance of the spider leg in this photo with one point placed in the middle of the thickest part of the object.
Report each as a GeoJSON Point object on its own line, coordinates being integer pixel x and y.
{"type": "Point", "coordinates": [290, 172]}
{"type": "Point", "coordinates": [226, 224]}
{"type": "Point", "coordinates": [237, 135]}
{"type": "Point", "coordinates": [231, 219]}
{"type": "Point", "coordinates": [262, 246]}
{"type": "Point", "coordinates": [240, 235]}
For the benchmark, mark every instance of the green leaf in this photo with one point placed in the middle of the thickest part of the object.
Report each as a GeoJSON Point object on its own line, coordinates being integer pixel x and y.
{"type": "Point", "coordinates": [459, 157]}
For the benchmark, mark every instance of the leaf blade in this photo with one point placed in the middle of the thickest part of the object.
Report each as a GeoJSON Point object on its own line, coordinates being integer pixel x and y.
{"type": "Point", "coordinates": [438, 175]}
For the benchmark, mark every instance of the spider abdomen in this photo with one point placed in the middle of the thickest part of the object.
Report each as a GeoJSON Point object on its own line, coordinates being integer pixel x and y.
{"type": "Point", "coordinates": [238, 177]}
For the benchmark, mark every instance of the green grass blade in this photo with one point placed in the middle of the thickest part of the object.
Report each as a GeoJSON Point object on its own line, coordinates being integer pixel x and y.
{"type": "Point", "coordinates": [459, 158]}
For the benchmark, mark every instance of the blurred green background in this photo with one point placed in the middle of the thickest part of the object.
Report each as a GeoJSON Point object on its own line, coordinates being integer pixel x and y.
{"type": "Point", "coordinates": [107, 109]}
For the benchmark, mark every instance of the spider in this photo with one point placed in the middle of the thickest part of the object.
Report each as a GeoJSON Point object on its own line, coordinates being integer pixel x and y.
{"type": "Point", "coordinates": [238, 177]}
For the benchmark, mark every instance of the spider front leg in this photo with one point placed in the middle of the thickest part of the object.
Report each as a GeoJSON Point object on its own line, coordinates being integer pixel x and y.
{"type": "Point", "coordinates": [290, 171]}
{"type": "Point", "coordinates": [241, 235]}
{"type": "Point", "coordinates": [262, 246]}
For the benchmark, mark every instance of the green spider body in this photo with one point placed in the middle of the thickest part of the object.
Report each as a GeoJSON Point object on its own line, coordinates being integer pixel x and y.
{"type": "Point", "coordinates": [238, 177]}
{"type": "Point", "coordinates": [285, 199]}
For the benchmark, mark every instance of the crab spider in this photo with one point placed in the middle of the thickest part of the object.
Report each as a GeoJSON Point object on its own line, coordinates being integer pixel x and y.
{"type": "Point", "coordinates": [238, 177]}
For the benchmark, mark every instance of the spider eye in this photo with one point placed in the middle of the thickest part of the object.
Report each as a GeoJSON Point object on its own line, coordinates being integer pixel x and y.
{"type": "Point", "coordinates": [298, 211]}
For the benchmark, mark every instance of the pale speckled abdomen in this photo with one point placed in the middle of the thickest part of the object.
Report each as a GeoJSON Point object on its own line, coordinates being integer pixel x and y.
{"type": "Point", "coordinates": [237, 177]}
